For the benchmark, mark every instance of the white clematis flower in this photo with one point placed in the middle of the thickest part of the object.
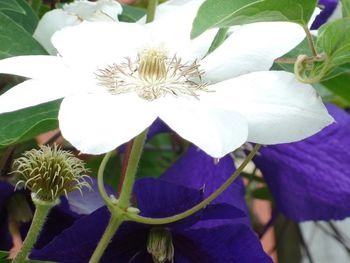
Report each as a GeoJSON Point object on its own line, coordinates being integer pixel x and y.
{"type": "Point", "coordinates": [117, 78]}
{"type": "Point", "coordinates": [73, 14]}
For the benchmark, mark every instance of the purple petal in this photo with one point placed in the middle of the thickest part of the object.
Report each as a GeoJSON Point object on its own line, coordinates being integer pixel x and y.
{"type": "Point", "coordinates": [198, 170]}
{"type": "Point", "coordinates": [6, 190]}
{"type": "Point", "coordinates": [77, 243]}
{"type": "Point", "coordinates": [329, 8]}
{"type": "Point", "coordinates": [58, 220]}
{"type": "Point", "coordinates": [310, 179]}
{"type": "Point", "coordinates": [89, 200]}
{"type": "Point", "coordinates": [158, 126]}
{"type": "Point", "coordinates": [157, 198]}
{"type": "Point", "coordinates": [234, 243]}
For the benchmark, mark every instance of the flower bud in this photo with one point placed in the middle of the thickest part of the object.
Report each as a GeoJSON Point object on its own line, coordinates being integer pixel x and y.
{"type": "Point", "coordinates": [50, 172]}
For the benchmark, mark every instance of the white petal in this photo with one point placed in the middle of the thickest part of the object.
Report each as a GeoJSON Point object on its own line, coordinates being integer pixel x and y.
{"type": "Point", "coordinates": [215, 131]}
{"type": "Point", "coordinates": [95, 44]}
{"type": "Point", "coordinates": [30, 93]}
{"type": "Point", "coordinates": [279, 109]}
{"type": "Point", "coordinates": [50, 23]}
{"type": "Point", "coordinates": [175, 33]}
{"type": "Point", "coordinates": [97, 123]}
{"type": "Point", "coordinates": [251, 48]}
{"type": "Point", "coordinates": [36, 67]}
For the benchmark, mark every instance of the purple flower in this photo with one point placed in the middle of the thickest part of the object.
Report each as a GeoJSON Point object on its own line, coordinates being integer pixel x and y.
{"type": "Point", "coordinates": [328, 9]}
{"type": "Point", "coordinates": [6, 191]}
{"type": "Point", "coordinates": [60, 217]}
{"type": "Point", "coordinates": [225, 238]}
{"type": "Point", "coordinates": [310, 179]}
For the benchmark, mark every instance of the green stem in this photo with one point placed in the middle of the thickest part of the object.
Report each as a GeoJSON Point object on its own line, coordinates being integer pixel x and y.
{"type": "Point", "coordinates": [135, 155]}
{"type": "Point", "coordinates": [151, 10]}
{"type": "Point", "coordinates": [118, 209]}
{"type": "Point", "coordinates": [114, 222]}
{"type": "Point", "coordinates": [42, 209]}
{"type": "Point", "coordinates": [101, 187]}
{"type": "Point", "coordinates": [310, 41]}
{"type": "Point", "coordinates": [300, 70]}
{"type": "Point", "coordinates": [223, 187]}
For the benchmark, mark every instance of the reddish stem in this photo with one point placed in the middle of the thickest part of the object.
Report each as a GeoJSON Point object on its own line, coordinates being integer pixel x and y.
{"type": "Point", "coordinates": [125, 164]}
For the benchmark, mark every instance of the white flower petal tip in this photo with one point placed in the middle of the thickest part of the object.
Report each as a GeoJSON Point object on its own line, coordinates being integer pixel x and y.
{"type": "Point", "coordinates": [217, 132]}
{"type": "Point", "coordinates": [35, 66]}
{"type": "Point", "coordinates": [278, 108]}
{"type": "Point", "coordinates": [29, 93]}
{"type": "Point", "coordinates": [98, 123]}
{"type": "Point", "coordinates": [250, 48]}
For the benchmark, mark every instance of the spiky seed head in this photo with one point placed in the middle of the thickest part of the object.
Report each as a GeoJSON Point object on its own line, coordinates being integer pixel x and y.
{"type": "Point", "coordinates": [50, 172]}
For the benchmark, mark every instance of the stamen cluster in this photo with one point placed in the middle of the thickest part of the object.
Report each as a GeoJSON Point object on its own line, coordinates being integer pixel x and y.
{"type": "Point", "coordinates": [50, 172]}
{"type": "Point", "coordinates": [160, 245]}
{"type": "Point", "coordinates": [153, 75]}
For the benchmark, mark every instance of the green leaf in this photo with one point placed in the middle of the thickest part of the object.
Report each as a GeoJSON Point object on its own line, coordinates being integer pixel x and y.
{"type": "Point", "coordinates": [15, 40]}
{"type": "Point", "coordinates": [262, 193]}
{"type": "Point", "coordinates": [339, 86]}
{"type": "Point", "coordinates": [11, 5]}
{"type": "Point", "coordinates": [219, 38]}
{"type": "Point", "coordinates": [24, 15]}
{"type": "Point", "coordinates": [131, 13]}
{"type": "Point", "coordinates": [27, 123]}
{"type": "Point", "coordinates": [225, 13]}
{"type": "Point", "coordinates": [334, 40]}
{"type": "Point", "coordinates": [3, 254]}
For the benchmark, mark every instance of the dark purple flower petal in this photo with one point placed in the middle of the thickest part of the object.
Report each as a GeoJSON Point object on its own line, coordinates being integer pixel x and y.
{"type": "Point", "coordinates": [157, 198]}
{"type": "Point", "coordinates": [230, 243]}
{"type": "Point", "coordinates": [310, 179]}
{"type": "Point", "coordinates": [329, 7]}
{"type": "Point", "coordinates": [77, 243]}
{"type": "Point", "coordinates": [198, 170]}
{"type": "Point", "coordinates": [58, 220]}
{"type": "Point", "coordinates": [6, 190]}
{"type": "Point", "coordinates": [158, 126]}
{"type": "Point", "coordinates": [234, 243]}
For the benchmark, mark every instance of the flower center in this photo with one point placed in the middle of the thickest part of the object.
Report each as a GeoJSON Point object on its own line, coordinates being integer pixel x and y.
{"type": "Point", "coordinates": [153, 75]}
{"type": "Point", "coordinates": [160, 245]}
{"type": "Point", "coordinates": [152, 66]}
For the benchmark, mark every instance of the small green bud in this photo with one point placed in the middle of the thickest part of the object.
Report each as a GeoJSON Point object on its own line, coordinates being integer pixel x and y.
{"type": "Point", "coordinates": [50, 172]}
{"type": "Point", "coordinates": [160, 245]}
{"type": "Point", "coordinates": [133, 210]}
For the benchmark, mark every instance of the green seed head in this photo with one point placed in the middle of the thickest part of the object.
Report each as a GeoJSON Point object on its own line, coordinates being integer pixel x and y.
{"type": "Point", "coordinates": [50, 172]}
{"type": "Point", "coordinates": [160, 245]}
